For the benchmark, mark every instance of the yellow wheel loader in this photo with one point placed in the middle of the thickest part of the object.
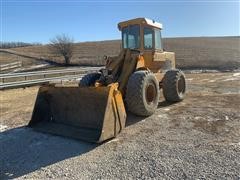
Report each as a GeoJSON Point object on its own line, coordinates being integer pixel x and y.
{"type": "Point", "coordinates": [95, 109]}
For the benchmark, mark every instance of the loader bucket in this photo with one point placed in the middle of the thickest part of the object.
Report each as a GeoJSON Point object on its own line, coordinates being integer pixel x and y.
{"type": "Point", "coordinates": [92, 114]}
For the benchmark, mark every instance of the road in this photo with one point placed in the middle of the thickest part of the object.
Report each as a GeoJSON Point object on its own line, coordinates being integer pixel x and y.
{"type": "Point", "coordinates": [196, 138]}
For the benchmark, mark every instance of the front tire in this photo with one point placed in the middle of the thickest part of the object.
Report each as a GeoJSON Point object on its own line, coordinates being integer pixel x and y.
{"type": "Point", "coordinates": [174, 85]}
{"type": "Point", "coordinates": [89, 79]}
{"type": "Point", "coordinates": [142, 94]}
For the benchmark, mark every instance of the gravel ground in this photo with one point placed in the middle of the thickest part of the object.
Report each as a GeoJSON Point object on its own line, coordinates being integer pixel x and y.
{"type": "Point", "coordinates": [196, 138]}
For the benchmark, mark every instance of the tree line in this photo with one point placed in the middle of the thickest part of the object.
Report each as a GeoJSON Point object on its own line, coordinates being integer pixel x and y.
{"type": "Point", "coordinates": [6, 45]}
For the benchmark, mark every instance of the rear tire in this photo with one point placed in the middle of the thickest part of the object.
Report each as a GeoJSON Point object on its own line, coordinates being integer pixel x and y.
{"type": "Point", "coordinates": [174, 85]}
{"type": "Point", "coordinates": [89, 79]}
{"type": "Point", "coordinates": [142, 93]}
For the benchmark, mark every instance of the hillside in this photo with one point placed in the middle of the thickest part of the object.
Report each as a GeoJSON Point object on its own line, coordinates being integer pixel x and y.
{"type": "Point", "coordinates": [191, 52]}
{"type": "Point", "coordinates": [205, 52]}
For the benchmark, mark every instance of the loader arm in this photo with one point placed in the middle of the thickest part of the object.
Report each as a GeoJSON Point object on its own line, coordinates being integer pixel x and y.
{"type": "Point", "coordinates": [121, 67]}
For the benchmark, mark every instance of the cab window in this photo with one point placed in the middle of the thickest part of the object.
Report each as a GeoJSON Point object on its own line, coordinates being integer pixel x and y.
{"type": "Point", "coordinates": [158, 39]}
{"type": "Point", "coordinates": [148, 38]}
{"type": "Point", "coordinates": [131, 37]}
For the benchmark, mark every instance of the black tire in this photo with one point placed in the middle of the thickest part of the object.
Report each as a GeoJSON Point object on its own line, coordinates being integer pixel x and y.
{"type": "Point", "coordinates": [142, 94]}
{"type": "Point", "coordinates": [174, 85]}
{"type": "Point", "coordinates": [89, 79]}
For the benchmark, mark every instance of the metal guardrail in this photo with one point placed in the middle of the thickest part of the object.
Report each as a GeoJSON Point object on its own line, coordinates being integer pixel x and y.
{"type": "Point", "coordinates": [10, 65]}
{"type": "Point", "coordinates": [37, 81]}
{"type": "Point", "coordinates": [77, 73]}
{"type": "Point", "coordinates": [37, 73]}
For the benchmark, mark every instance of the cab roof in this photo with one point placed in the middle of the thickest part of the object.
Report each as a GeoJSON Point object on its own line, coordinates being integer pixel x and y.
{"type": "Point", "coordinates": [140, 21]}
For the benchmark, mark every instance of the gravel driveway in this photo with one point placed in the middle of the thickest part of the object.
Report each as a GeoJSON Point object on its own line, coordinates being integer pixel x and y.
{"type": "Point", "coordinates": [196, 138]}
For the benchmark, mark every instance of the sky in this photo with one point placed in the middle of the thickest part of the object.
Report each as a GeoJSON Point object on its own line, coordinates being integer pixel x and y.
{"type": "Point", "coordinates": [40, 20]}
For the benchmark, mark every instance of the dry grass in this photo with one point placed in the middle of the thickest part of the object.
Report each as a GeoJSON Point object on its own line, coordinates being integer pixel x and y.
{"type": "Point", "coordinates": [17, 100]}
{"type": "Point", "coordinates": [191, 53]}
{"type": "Point", "coordinates": [205, 52]}
{"type": "Point", "coordinates": [8, 58]}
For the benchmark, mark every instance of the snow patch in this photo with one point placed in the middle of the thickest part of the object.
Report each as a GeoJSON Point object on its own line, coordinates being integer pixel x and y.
{"type": "Point", "coordinates": [197, 117]}
{"type": "Point", "coordinates": [113, 140]}
{"type": "Point", "coordinates": [162, 116]}
{"type": "Point", "coordinates": [236, 74]}
{"type": "Point", "coordinates": [230, 79]}
{"type": "Point", "coordinates": [3, 128]}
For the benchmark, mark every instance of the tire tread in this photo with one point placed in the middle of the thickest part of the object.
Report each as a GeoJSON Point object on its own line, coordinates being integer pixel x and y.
{"type": "Point", "coordinates": [169, 85]}
{"type": "Point", "coordinates": [134, 95]}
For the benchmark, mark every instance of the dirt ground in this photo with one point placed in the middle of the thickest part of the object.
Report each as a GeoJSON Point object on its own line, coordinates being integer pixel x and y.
{"type": "Point", "coordinates": [198, 138]}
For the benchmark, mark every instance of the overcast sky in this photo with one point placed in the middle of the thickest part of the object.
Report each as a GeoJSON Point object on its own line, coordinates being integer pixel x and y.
{"type": "Point", "coordinates": [40, 20]}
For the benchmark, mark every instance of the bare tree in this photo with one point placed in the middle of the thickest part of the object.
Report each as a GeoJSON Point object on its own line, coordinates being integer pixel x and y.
{"type": "Point", "coordinates": [62, 45]}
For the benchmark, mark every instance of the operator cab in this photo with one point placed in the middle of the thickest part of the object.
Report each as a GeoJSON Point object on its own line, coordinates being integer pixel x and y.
{"type": "Point", "coordinates": [141, 34]}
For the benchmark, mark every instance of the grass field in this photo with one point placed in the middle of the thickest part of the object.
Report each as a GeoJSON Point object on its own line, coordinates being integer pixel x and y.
{"type": "Point", "coordinates": [221, 53]}
{"type": "Point", "coordinates": [205, 52]}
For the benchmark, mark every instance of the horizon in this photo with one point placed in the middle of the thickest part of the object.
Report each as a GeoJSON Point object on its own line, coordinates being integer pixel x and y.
{"type": "Point", "coordinates": [75, 42]}
{"type": "Point", "coordinates": [38, 21]}
{"type": "Point", "coordinates": [38, 43]}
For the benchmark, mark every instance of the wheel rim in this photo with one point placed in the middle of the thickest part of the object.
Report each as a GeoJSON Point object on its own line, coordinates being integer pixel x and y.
{"type": "Point", "coordinates": [181, 85]}
{"type": "Point", "coordinates": [150, 93]}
